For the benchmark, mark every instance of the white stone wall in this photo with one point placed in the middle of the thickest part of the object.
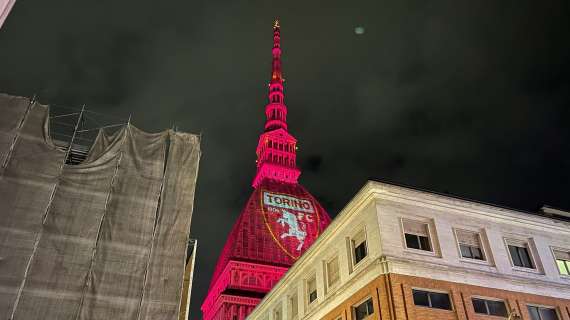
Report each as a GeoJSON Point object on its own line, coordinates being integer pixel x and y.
{"type": "Point", "coordinates": [494, 224]}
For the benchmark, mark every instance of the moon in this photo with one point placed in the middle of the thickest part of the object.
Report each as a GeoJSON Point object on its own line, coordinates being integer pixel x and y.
{"type": "Point", "coordinates": [359, 30]}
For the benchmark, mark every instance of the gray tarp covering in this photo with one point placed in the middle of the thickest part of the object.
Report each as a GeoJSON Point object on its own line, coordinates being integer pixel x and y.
{"type": "Point", "coordinates": [105, 239]}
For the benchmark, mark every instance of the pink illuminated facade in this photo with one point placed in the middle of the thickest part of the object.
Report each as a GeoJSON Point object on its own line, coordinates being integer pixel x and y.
{"type": "Point", "coordinates": [5, 7]}
{"type": "Point", "coordinates": [280, 221]}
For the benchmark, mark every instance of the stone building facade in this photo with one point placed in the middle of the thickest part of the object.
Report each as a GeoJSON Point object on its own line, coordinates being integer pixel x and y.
{"type": "Point", "coordinates": [399, 253]}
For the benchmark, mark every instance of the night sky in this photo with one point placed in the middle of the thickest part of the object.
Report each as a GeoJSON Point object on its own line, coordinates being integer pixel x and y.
{"type": "Point", "coordinates": [467, 98]}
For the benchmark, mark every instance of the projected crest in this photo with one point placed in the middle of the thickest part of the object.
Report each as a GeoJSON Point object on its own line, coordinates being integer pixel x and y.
{"type": "Point", "coordinates": [292, 221]}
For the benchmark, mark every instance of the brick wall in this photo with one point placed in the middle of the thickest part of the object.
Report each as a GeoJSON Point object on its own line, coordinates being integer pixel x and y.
{"type": "Point", "coordinates": [392, 298]}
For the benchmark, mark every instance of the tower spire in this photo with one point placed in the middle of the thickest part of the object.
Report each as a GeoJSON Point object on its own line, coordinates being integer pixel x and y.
{"type": "Point", "coordinates": [277, 149]}
{"type": "Point", "coordinates": [276, 111]}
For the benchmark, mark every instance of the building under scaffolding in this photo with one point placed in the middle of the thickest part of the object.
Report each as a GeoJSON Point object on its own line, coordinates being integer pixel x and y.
{"type": "Point", "coordinates": [93, 230]}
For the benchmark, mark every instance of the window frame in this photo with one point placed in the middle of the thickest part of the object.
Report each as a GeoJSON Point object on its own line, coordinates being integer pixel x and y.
{"type": "Point", "coordinates": [567, 264]}
{"type": "Point", "coordinates": [329, 286]}
{"type": "Point", "coordinates": [359, 303]}
{"type": "Point", "coordinates": [529, 244]}
{"type": "Point", "coordinates": [487, 307]}
{"type": "Point", "coordinates": [361, 231]}
{"type": "Point", "coordinates": [349, 248]}
{"type": "Point", "coordinates": [431, 238]}
{"type": "Point", "coordinates": [540, 306]}
{"type": "Point", "coordinates": [310, 303]}
{"type": "Point", "coordinates": [452, 308]}
{"type": "Point", "coordinates": [482, 246]}
{"type": "Point", "coordinates": [278, 310]}
{"type": "Point", "coordinates": [293, 297]}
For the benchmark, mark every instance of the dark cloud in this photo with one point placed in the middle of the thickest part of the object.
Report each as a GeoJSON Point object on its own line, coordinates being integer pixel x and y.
{"type": "Point", "coordinates": [467, 98]}
{"type": "Point", "coordinates": [312, 164]}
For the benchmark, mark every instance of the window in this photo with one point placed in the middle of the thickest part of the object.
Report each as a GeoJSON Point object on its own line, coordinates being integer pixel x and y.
{"type": "Point", "coordinates": [520, 254]}
{"type": "Point", "coordinates": [490, 307]}
{"type": "Point", "coordinates": [540, 313]}
{"type": "Point", "coordinates": [293, 303]}
{"type": "Point", "coordinates": [312, 289]}
{"type": "Point", "coordinates": [363, 310]}
{"type": "Point", "coordinates": [562, 261]}
{"type": "Point", "coordinates": [469, 244]}
{"type": "Point", "coordinates": [431, 299]}
{"type": "Point", "coordinates": [251, 281]}
{"type": "Point", "coordinates": [359, 249]}
{"type": "Point", "coordinates": [277, 314]}
{"type": "Point", "coordinates": [417, 235]}
{"type": "Point", "coordinates": [332, 271]}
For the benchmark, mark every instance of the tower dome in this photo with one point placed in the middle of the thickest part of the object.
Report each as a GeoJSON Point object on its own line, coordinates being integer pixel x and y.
{"type": "Point", "coordinates": [279, 222]}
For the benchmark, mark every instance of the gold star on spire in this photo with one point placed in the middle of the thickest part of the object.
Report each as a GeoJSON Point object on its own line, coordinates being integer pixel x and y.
{"type": "Point", "coordinates": [276, 23]}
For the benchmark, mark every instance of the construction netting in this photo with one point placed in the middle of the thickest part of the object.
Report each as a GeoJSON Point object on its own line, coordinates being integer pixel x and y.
{"type": "Point", "coordinates": [103, 239]}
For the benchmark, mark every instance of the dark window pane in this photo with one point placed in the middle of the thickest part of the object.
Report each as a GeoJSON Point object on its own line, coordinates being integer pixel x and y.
{"type": "Point", "coordinates": [312, 296]}
{"type": "Point", "coordinates": [424, 243]}
{"type": "Point", "coordinates": [360, 312]}
{"type": "Point", "coordinates": [497, 308]}
{"type": "Point", "coordinates": [421, 298]}
{"type": "Point", "coordinates": [363, 310]}
{"type": "Point", "coordinates": [477, 253]}
{"type": "Point", "coordinates": [548, 314]}
{"type": "Point", "coordinates": [440, 300]}
{"type": "Point", "coordinates": [360, 252]}
{"type": "Point", "coordinates": [412, 241]}
{"type": "Point", "coordinates": [525, 257]}
{"type": "Point", "coordinates": [515, 256]}
{"type": "Point", "coordinates": [465, 251]}
{"type": "Point", "coordinates": [533, 311]}
{"type": "Point", "coordinates": [479, 306]}
{"type": "Point", "coordinates": [370, 306]}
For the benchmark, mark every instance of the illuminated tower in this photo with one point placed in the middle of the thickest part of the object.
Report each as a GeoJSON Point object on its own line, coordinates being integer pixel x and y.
{"type": "Point", "coordinates": [279, 222]}
{"type": "Point", "coordinates": [5, 7]}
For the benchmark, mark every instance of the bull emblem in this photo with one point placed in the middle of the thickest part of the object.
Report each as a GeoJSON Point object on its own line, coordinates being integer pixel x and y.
{"type": "Point", "coordinates": [296, 227]}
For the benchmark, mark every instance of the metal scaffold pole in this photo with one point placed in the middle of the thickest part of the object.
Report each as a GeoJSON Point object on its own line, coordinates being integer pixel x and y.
{"type": "Point", "coordinates": [74, 133]}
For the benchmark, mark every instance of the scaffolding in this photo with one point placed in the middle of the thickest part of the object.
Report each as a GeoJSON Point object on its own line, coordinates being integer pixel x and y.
{"type": "Point", "coordinates": [75, 129]}
{"type": "Point", "coordinates": [101, 234]}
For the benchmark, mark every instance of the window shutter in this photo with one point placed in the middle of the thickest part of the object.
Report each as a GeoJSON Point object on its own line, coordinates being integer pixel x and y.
{"type": "Point", "coordinates": [416, 227]}
{"type": "Point", "coordinates": [294, 308]}
{"type": "Point", "coordinates": [332, 270]}
{"type": "Point", "coordinates": [517, 243]}
{"type": "Point", "coordinates": [311, 285]}
{"type": "Point", "coordinates": [561, 255]}
{"type": "Point", "coordinates": [359, 238]}
{"type": "Point", "coordinates": [468, 238]}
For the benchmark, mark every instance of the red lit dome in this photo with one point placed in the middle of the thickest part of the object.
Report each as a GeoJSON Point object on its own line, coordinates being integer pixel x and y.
{"type": "Point", "coordinates": [261, 234]}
